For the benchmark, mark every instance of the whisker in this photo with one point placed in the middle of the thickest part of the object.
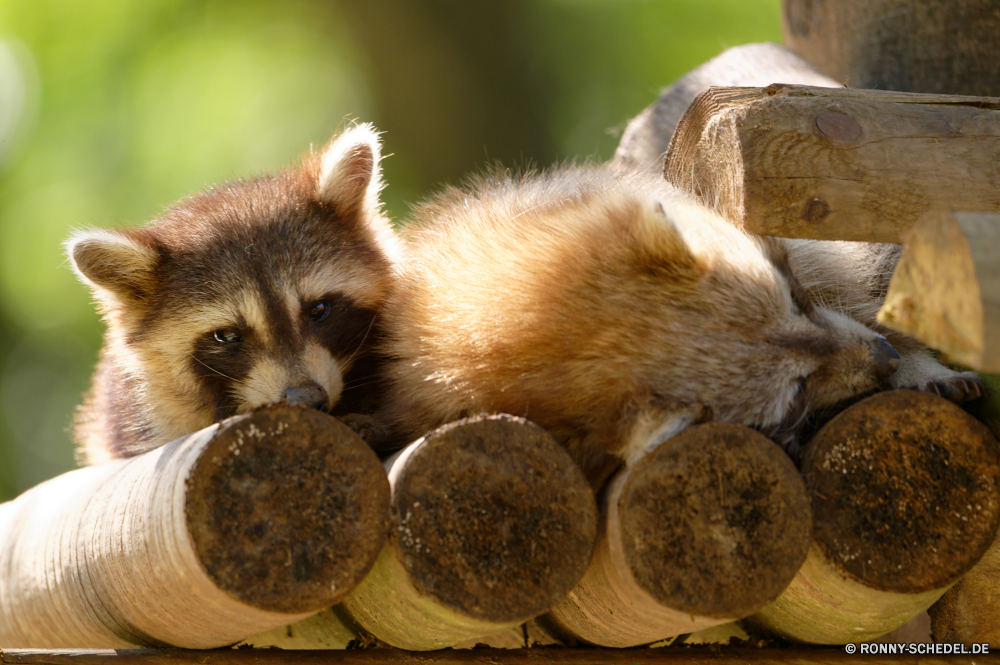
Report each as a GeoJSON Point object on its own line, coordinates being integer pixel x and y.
{"type": "Point", "coordinates": [361, 344]}
{"type": "Point", "coordinates": [239, 382]}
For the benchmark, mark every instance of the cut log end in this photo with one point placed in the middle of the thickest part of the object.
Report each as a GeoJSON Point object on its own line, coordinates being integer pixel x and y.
{"type": "Point", "coordinates": [287, 509]}
{"type": "Point", "coordinates": [904, 490]}
{"type": "Point", "coordinates": [496, 521]}
{"type": "Point", "coordinates": [945, 289]}
{"type": "Point", "coordinates": [736, 530]}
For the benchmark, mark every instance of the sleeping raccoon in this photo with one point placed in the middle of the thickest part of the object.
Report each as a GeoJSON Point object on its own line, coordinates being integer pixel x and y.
{"type": "Point", "coordinates": [614, 311]}
{"type": "Point", "coordinates": [258, 291]}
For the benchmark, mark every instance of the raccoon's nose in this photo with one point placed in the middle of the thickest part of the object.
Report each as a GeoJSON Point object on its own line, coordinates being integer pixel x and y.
{"type": "Point", "coordinates": [306, 394]}
{"type": "Point", "coordinates": [884, 355]}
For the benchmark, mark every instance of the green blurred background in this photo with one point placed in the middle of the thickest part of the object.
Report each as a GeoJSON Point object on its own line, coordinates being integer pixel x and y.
{"type": "Point", "coordinates": [111, 110]}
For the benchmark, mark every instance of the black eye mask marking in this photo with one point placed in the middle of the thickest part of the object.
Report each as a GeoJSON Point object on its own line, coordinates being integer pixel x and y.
{"type": "Point", "coordinates": [222, 362]}
{"type": "Point", "coordinates": [339, 324]}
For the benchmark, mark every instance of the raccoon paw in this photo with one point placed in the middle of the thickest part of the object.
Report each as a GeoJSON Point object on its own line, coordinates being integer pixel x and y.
{"type": "Point", "coordinates": [363, 425]}
{"type": "Point", "coordinates": [958, 388]}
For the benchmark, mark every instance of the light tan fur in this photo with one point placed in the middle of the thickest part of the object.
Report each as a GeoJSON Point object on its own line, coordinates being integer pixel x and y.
{"type": "Point", "coordinates": [610, 309]}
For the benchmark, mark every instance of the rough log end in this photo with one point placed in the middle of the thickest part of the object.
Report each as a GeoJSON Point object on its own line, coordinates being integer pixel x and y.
{"type": "Point", "coordinates": [715, 522]}
{"type": "Point", "coordinates": [904, 491]}
{"type": "Point", "coordinates": [495, 519]}
{"type": "Point", "coordinates": [287, 508]}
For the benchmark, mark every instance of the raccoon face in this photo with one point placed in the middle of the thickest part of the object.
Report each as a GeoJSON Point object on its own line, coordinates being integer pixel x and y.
{"type": "Point", "coordinates": [803, 356]}
{"type": "Point", "coordinates": [260, 291]}
{"type": "Point", "coordinates": [739, 338]}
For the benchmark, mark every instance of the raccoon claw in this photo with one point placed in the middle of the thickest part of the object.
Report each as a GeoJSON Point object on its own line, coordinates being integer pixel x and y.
{"type": "Point", "coordinates": [960, 388]}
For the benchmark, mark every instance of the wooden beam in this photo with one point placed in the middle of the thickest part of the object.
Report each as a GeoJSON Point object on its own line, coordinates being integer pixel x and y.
{"type": "Point", "coordinates": [246, 525]}
{"type": "Point", "coordinates": [970, 610]}
{"type": "Point", "coordinates": [557, 656]}
{"type": "Point", "coordinates": [933, 46]}
{"type": "Point", "coordinates": [708, 528]}
{"type": "Point", "coordinates": [647, 136]}
{"type": "Point", "coordinates": [836, 164]}
{"type": "Point", "coordinates": [905, 491]}
{"type": "Point", "coordinates": [946, 287]}
{"type": "Point", "coordinates": [493, 523]}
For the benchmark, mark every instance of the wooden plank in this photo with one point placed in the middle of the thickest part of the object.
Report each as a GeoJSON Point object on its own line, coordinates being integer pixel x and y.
{"type": "Point", "coordinates": [933, 46]}
{"type": "Point", "coordinates": [249, 524]}
{"type": "Point", "coordinates": [647, 136]}
{"type": "Point", "coordinates": [905, 491]}
{"type": "Point", "coordinates": [536, 656]}
{"type": "Point", "coordinates": [946, 288]}
{"type": "Point", "coordinates": [970, 610]}
{"type": "Point", "coordinates": [837, 164]}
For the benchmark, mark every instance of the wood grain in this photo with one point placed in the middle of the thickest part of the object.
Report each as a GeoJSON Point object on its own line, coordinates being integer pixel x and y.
{"type": "Point", "coordinates": [836, 164]}
{"type": "Point", "coordinates": [558, 656]}
{"type": "Point", "coordinates": [645, 139]}
{"type": "Point", "coordinates": [946, 287]}
{"type": "Point", "coordinates": [493, 523]}
{"type": "Point", "coordinates": [244, 526]}
{"type": "Point", "coordinates": [708, 528]}
{"type": "Point", "coordinates": [932, 46]}
{"type": "Point", "coordinates": [970, 611]}
{"type": "Point", "coordinates": [904, 490]}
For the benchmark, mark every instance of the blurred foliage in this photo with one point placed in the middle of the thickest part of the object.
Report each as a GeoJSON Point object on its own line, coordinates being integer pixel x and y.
{"type": "Point", "coordinates": [110, 111]}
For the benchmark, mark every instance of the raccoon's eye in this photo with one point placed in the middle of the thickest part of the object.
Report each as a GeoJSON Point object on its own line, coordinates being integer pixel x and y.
{"type": "Point", "coordinates": [319, 310]}
{"type": "Point", "coordinates": [227, 336]}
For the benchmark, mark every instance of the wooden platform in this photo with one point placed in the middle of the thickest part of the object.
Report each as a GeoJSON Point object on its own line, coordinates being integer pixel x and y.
{"type": "Point", "coordinates": [534, 656]}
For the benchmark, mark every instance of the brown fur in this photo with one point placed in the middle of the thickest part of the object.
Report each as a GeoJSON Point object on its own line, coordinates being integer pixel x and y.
{"type": "Point", "coordinates": [613, 311]}
{"type": "Point", "coordinates": [249, 262]}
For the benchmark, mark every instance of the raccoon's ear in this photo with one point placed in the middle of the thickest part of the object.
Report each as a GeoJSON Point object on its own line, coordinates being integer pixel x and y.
{"type": "Point", "coordinates": [350, 177]}
{"type": "Point", "coordinates": [664, 239]}
{"type": "Point", "coordinates": [115, 265]}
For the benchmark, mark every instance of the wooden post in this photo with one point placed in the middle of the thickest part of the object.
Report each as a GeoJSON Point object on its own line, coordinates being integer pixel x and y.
{"type": "Point", "coordinates": [835, 164]}
{"type": "Point", "coordinates": [946, 287]}
{"type": "Point", "coordinates": [328, 629]}
{"type": "Point", "coordinates": [244, 526]}
{"type": "Point", "coordinates": [933, 46]}
{"type": "Point", "coordinates": [493, 523]}
{"type": "Point", "coordinates": [647, 136]}
{"type": "Point", "coordinates": [744, 655]}
{"type": "Point", "coordinates": [904, 491]}
{"type": "Point", "coordinates": [970, 611]}
{"type": "Point", "coordinates": [708, 528]}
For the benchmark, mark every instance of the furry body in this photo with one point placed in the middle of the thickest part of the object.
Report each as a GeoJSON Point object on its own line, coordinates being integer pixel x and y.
{"type": "Point", "coordinates": [614, 311]}
{"type": "Point", "coordinates": [258, 291]}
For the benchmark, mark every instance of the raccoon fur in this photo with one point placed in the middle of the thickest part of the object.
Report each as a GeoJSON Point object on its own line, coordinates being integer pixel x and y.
{"type": "Point", "coordinates": [257, 291]}
{"type": "Point", "coordinates": [614, 311]}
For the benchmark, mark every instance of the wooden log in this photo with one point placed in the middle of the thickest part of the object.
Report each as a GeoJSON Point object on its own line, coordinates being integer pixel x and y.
{"type": "Point", "coordinates": [684, 656]}
{"type": "Point", "coordinates": [493, 523]}
{"type": "Point", "coordinates": [647, 136]}
{"type": "Point", "coordinates": [946, 287]}
{"type": "Point", "coordinates": [933, 46]}
{"type": "Point", "coordinates": [835, 164]}
{"type": "Point", "coordinates": [970, 611]}
{"type": "Point", "coordinates": [328, 629]}
{"type": "Point", "coordinates": [708, 528]}
{"type": "Point", "coordinates": [244, 526]}
{"type": "Point", "coordinates": [904, 491]}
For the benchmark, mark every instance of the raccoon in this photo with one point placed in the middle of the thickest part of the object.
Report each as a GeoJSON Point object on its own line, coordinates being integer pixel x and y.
{"type": "Point", "coordinates": [614, 311]}
{"type": "Point", "coordinates": [261, 290]}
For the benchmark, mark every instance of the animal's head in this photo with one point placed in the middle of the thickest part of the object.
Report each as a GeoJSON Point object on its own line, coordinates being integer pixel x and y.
{"type": "Point", "coordinates": [258, 291]}
{"type": "Point", "coordinates": [758, 347]}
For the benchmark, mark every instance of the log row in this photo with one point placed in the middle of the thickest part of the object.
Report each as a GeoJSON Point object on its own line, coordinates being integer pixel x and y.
{"type": "Point", "coordinates": [251, 527]}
